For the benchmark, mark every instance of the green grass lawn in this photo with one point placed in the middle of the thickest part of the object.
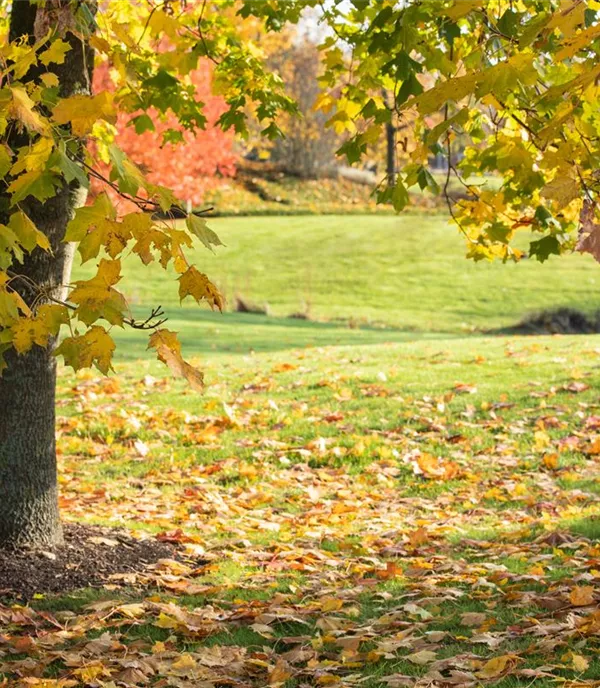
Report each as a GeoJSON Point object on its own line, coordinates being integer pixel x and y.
{"type": "Point", "coordinates": [397, 277]}
{"type": "Point", "coordinates": [405, 503]}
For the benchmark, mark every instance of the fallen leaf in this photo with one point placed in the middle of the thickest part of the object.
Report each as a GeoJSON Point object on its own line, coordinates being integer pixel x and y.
{"type": "Point", "coordinates": [496, 666]}
{"type": "Point", "coordinates": [422, 657]}
{"type": "Point", "coordinates": [473, 618]}
{"type": "Point", "coordinates": [582, 595]}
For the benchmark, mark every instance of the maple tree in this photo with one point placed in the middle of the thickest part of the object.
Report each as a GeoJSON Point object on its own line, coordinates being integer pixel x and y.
{"type": "Point", "coordinates": [48, 114]}
{"type": "Point", "coordinates": [515, 78]}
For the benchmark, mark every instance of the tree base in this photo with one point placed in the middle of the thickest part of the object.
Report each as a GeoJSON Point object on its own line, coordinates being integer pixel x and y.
{"type": "Point", "coordinates": [33, 537]}
{"type": "Point", "coordinates": [87, 558]}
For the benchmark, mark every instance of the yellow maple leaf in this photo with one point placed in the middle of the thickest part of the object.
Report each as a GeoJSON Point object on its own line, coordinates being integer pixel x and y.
{"type": "Point", "coordinates": [579, 662]}
{"type": "Point", "coordinates": [22, 109]}
{"type": "Point", "coordinates": [331, 604]}
{"type": "Point", "coordinates": [29, 235]}
{"type": "Point", "coordinates": [34, 157]}
{"type": "Point", "coordinates": [95, 347]}
{"type": "Point", "coordinates": [280, 673]}
{"type": "Point", "coordinates": [576, 42]}
{"type": "Point", "coordinates": [496, 666]}
{"type": "Point", "coordinates": [97, 299]}
{"type": "Point", "coordinates": [461, 8]}
{"type": "Point", "coordinates": [39, 328]}
{"type": "Point", "coordinates": [197, 285]}
{"type": "Point", "coordinates": [184, 665]}
{"type": "Point", "coordinates": [91, 672]}
{"type": "Point", "coordinates": [81, 111]}
{"type": "Point", "coordinates": [55, 53]}
{"type": "Point", "coordinates": [561, 189]}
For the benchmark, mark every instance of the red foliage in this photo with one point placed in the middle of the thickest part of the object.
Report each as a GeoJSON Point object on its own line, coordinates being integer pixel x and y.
{"type": "Point", "coordinates": [187, 168]}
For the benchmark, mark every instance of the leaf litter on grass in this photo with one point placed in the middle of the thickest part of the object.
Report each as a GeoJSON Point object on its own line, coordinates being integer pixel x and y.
{"type": "Point", "coordinates": [349, 534]}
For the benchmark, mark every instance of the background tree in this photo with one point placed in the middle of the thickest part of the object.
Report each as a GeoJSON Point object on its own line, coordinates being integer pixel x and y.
{"type": "Point", "coordinates": [188, 166]}
{"type": "Point", "coordinates": [307, 147]}
{"type": "Point", "coordinates": [518, 81]}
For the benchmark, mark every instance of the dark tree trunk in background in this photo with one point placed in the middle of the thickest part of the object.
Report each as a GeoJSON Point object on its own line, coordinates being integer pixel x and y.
{"type": "Point", "coordinates": [390, 139]}
{"type": "Point", "coordinates": [390, 132]}
{"type": "Point", "coordinates": [28, 481]}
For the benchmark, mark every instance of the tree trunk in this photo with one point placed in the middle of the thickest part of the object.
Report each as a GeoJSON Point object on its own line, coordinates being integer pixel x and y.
{"type": "Point", "coordinates": [28, 481]}
{"type": "Point", "coordinates": [390, 132]}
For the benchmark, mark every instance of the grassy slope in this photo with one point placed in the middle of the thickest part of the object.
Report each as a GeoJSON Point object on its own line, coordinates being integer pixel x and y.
{"type": "Point", "coordinates": [406, 273]}
{"type": "Point", "coordinates": [295, 196]}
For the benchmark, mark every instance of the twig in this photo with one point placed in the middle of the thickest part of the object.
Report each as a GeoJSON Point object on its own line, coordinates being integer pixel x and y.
{"type": "Point", "coordinates": [148, 324]}
{"type": "Point", "coordinates": [42, 293]}
{"type": "Point", "coordinates": [152, 11]}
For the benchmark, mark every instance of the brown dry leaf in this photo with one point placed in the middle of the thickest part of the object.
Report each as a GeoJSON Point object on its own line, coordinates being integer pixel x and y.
{"type": "Point", "coordinates": [422, 657]}
{"type": "Point", "coordinates": [351, 642]}
{"type": "Point", "coordinates": [415, 610]}
{"type": "Point", "coordinates": [589, 231]}
{"type": "Point", "coordinates": [418, 537]}
{"type": "Point", "coordinates": [463, 388]}
{"type": "Point", "coordinates": [491, 640]}
{"type": "Point", "coordinates": [473, 618]}
{"type": "Point", "coordinates": [280, 673]}
{"type": "Point", "coordinates": [168, 350]}
{"type": "Point", "coordinates": [399, 681]}
{"type": "Point", "coordinates": [582, 595]}
{"type": "Point", "coordinates": [576, 387]}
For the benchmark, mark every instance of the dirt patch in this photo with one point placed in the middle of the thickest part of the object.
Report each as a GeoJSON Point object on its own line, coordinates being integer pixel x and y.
{"type": "Point", "coordinates": [557, 321]}
{"type": "Point", "coordinates": [244, 306]}
{"type": "Point", "coordinates": [87, 558]}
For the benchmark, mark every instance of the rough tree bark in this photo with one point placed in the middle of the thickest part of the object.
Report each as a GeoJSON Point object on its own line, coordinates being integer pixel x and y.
{"type": "Point", "coordinates": [28, 481]}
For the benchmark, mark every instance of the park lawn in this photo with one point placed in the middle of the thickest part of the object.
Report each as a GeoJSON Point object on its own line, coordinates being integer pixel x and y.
{"type": "Point", "coordinates": [372, 506]}
{"type": "Point", "coordinates": [407, 274]}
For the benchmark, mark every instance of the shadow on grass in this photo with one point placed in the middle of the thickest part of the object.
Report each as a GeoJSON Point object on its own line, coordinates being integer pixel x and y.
{"type": "Point", "coordinates": [561, 320]}
{"type": "Point", "coordinates": [202, 332]}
